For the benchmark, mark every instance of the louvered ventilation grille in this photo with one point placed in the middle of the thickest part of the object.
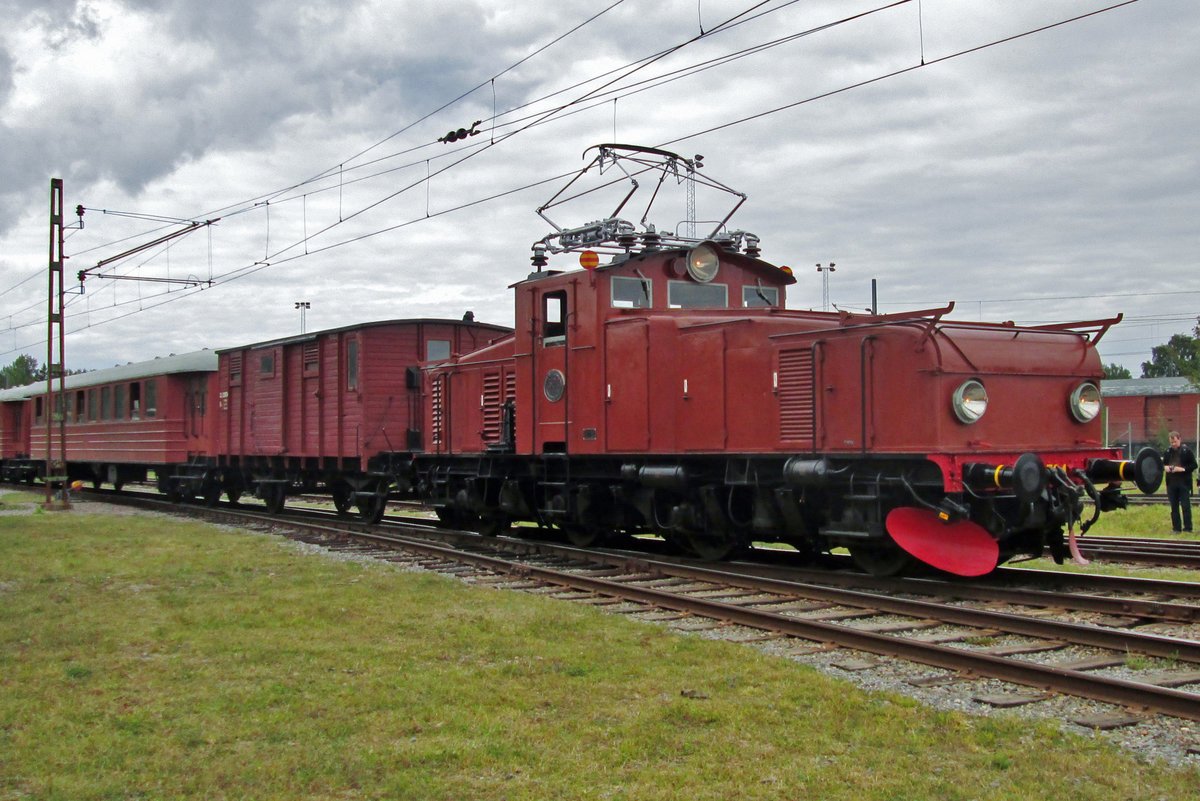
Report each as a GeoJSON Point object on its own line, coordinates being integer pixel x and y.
{"type": "Point", "coordinates": [436, 408]}
{"type": "Point", "coordinates": [797, 417]}
{"type": "Point", "coordinates": [493, 400]}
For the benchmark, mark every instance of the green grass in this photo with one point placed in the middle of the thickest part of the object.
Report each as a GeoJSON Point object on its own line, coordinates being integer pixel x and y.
{"type": "Point", "coordinates": [143, 659]}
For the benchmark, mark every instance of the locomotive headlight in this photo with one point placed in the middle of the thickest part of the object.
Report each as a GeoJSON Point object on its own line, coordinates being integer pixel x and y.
{"type": "Point", "coordinates": [1085, 402]}
{"type": "Point", "coordinates": [970, 401]}
{"type": "Point", "coordinates": [702, 263]}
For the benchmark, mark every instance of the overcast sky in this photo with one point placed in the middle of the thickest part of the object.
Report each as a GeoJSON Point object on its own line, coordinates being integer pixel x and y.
{"type": "Point", "coordinates": [1050, 178]}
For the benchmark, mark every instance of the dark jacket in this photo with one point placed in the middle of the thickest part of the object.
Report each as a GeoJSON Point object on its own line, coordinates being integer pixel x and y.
{"type": "Point", "coordinates": [1183, 457]}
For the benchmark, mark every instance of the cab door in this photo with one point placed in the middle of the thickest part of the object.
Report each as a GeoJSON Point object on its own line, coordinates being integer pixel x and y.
{"type": "Point", "coordinates": [552, 371]}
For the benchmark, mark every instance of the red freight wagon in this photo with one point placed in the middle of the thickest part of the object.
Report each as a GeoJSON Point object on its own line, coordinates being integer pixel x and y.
{"type": "Point", "coordinates": [121, 422]}
{"type": "Point", "coordinates": [335, 410]}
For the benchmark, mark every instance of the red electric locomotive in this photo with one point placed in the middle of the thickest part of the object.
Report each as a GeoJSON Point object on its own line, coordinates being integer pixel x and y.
{"type": "Point", "coordinates": [670, 391]}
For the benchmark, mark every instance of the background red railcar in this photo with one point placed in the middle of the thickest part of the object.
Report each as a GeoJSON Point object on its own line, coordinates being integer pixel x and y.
{"type": "Point", "coordinates": [336, 409]}
{"type": "Point", "coordinates": [14, 434]}
{"type": "Point", "coordinates": [122, 421]}
{"type": "Point", "coordinates": [1140, 412]}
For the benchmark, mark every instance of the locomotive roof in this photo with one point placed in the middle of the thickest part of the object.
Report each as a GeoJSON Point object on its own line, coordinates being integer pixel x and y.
{"type": "Point", "coordinates": [200, 361]}
{"type": "Point", "coordinates": [742, 261]}
{"type": "Point", "coordinates": [311, 335]}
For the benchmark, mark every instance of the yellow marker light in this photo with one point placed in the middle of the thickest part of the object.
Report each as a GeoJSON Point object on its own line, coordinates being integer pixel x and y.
{"type": "Point", "coordinates": [588, 260]}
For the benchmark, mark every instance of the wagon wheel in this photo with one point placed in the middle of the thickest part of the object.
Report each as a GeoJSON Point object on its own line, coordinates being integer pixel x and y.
{"type": "Point", "coordinates": [273, 496]}
{"type": "Point", "coordinates": [371, 506]}
{"type": "Point", "coordinates": [210, 491]}
{"type": "Point", "coordinates": [341, 498]}
{"type": "Point", "coordinates": [175, 492]}
{"type": "Point", "coordinates": [233, 494]}
{"type": "Point", "coordinates": [882, 559]}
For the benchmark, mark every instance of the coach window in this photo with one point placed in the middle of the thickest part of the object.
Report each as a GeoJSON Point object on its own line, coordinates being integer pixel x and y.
{"type": "Point", "coordinates": [267, 365]}
{"type": "Point", "coordinates": [437, 349]}
{"type": "Point", "coordinates": [760, 296]}
{"type": "Point", "coordinates": [690, 295]}
{"type": "Point", "coordinates": [631, 293]}
{"type": "Point", "coordinates": [119, 402]}
{"type": "Point", "coordinates": [352, 364]}
{"type": "Point", "coordinates": [80, 406]}
{"type": "Point", "coordinates": [37, 410]}
{"type": "Point", "coordinates": [93, 409]}
{"type": "Point", "coordinates": [135, 401]}
{"type": "Point", "coordinates": [554, 318]}
{"type": "Point", "coordinates": [151, 398]}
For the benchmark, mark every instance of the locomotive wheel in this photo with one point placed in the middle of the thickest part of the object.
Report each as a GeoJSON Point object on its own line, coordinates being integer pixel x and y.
{"type": "Point", "coordinates": [341, 499]}
{"type": "Point", "coordinates": [882, 560]}
{"type": "Point", "coordinates": [371, 507]}
{"type": "Point", "coordinates": [582, 535]}
{"type": "Point", "coordinates": [712, 546]}
{"type": "Point", "coordinates": [493, 525]}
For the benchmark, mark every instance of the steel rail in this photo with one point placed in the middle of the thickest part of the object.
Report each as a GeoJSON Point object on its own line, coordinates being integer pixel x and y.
{"type": "Point", "coordinates": [1137, 695]}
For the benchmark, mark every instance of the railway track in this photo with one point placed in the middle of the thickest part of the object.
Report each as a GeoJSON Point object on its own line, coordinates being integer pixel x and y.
{"type": "Point", "coordinates": [1166, 553]}
{"type": "Point", "coordinates": [1076, 639]}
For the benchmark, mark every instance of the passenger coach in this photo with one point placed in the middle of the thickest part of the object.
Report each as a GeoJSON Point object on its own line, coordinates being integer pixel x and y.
{"type": "Point", "coordinates": [119, 423]}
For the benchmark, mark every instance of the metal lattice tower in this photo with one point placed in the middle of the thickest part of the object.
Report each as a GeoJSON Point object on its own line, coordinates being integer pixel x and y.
{"type": "Point", "coordinates": [55, 408]}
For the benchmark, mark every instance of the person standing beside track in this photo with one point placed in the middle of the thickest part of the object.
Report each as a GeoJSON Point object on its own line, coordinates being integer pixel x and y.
{"type": "Point", "coordinates": [1179, 462]}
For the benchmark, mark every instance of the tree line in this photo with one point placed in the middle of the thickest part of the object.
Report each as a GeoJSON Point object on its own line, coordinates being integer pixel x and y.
{"type": "Point", "coordinates": [25, 370]}
{"type": "Point", "coordinates": [1180, 356]}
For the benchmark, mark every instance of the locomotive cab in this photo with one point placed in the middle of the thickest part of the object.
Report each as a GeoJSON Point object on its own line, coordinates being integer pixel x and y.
{"type": "Point", "coordinates": [584, 370]}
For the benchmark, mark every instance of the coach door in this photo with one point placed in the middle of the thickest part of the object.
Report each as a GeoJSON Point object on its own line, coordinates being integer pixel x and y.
{"type": "Point", "coordinates": [196, 407]}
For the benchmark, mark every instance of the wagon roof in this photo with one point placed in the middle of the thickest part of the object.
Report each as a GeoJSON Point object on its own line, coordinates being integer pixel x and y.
{"type": "Point", "coordinates": [311, 335]}
{"type": "Point", "coordinates": [200, 361]}
{"type": "Point", "coordinates": [1172, 385]}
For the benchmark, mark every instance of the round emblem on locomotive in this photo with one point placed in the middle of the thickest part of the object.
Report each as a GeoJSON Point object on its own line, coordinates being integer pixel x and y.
{"type": "Point", "coordinates": [555, 385]}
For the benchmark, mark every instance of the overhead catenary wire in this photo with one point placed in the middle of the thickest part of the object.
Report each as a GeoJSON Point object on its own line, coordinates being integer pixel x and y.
{"type": "Point", "coordinates": [609, 90]}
